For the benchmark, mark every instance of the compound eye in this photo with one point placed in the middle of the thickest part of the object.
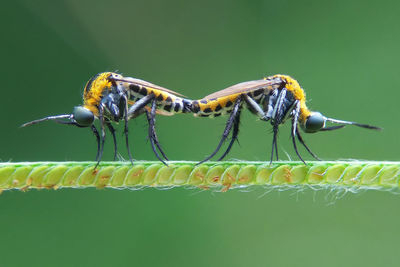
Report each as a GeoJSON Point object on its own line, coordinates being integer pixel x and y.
{"type": "Point", "coordinates": [83, 116]}
{"type": "Point", "coordinates": [314, 123]}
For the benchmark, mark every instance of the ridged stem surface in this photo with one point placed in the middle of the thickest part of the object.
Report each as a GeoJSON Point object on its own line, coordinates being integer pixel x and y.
{"type": "Point", "coordinates": [219, 175]}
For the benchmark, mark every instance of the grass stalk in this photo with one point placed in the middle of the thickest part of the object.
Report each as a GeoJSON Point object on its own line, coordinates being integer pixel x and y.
{"type": "Point", "coordinates": [349, 175]}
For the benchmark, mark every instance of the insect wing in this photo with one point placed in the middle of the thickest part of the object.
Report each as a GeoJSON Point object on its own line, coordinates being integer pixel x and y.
{"type": "Point", "coordinates": [147, 84]}
{"type": "Point", "coordinates": [241, 88]}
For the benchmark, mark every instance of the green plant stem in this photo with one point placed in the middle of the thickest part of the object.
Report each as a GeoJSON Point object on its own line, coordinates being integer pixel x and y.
{"type": "Point", "coordinates": [220, 175]}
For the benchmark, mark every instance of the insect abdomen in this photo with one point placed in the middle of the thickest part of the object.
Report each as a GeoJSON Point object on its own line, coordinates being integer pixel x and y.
{"type": "Point", "coordinates": [165, 101]}
{"type": "Point", "coordinates": [214, 107]}
{"type": "Point", "coordinates": [176, 105]}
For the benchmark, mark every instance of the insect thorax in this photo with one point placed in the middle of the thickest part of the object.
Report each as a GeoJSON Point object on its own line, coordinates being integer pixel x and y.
{"type": "Point", "coordinates": [94, 90]}
{"type": "Point", "coordinates": [292, 86]}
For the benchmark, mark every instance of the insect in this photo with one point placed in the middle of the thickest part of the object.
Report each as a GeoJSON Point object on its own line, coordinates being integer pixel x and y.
{"type": "Point", "coordinates": [274, 99]}
{"type": "Point", "coordinates": [110, 97]}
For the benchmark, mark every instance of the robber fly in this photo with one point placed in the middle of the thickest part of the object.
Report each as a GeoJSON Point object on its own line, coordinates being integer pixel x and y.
{"type": "Point", "coordinates": [110, 97]}
{"type": "Point", "coordinates": [275, 99]}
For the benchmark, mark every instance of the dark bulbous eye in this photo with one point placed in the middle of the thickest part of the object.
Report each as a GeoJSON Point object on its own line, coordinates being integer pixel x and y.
{"type": "Point", "coordinates": [314, 123]}
{"type": "Point", "coordinates": [83, 116]}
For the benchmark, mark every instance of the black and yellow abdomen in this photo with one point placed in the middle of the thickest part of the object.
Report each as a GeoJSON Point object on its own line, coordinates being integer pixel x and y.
{"type": "Point", "coordinates": [214, 107]}
{"type": "Point", "coordinates": [165, 100]}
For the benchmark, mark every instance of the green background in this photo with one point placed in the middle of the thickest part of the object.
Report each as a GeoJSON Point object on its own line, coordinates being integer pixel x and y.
{"type": "Point", "coordinates": [345, 54]}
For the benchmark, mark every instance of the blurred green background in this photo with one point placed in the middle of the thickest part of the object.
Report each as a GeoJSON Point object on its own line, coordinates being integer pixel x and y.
{"type": "Point", "coordinates": [345, 54]}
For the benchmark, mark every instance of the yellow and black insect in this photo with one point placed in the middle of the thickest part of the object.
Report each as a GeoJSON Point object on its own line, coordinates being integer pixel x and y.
{"type": "Point", "coordinates": [273, 99]}
{"type": "Point", "coordinates": [110, 97]}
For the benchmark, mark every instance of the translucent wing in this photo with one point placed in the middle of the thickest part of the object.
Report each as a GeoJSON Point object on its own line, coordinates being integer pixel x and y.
{"type": "Point", "coordinates": [147, 84]}
{"type": "Point", "coordinates": [241, 88]}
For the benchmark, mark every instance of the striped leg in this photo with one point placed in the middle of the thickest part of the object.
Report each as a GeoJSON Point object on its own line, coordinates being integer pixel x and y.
{"type": "Point", "coordinates": [277, 117]}
{"type": "Point", "coordinates": [152, 125]}
{"type": "Point", "coordinates": [296, 113]}
{"type": "Point", "coordinates": [96, 134]}
{"type": "Point", "coordinates": [235, 133]}
{"type": "Point", "coordinates": [103, 135]}
{"type": "Point", "coordinates": [138, 106]}
{"type": "Point", "coordinates": [228, 128]}
{"type": "Point", "coordinates": [152, 132]}
{"type": "Point", "coordinates": [132, 112]}
{"type": "Point", "coordinates": [126, 130]}
{"type": "Point", "coordinates": [112, 131]}
{"type": "Point", "coordinates": [304, 144]}
{"type": "Point", "coordinates": [274, 142]}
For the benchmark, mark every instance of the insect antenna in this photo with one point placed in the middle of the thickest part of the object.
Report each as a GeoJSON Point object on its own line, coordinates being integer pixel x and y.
{"type": "Point", "coordinates": [54, 118]}
{"type": "Point", "coordinates": [353, 123]}
{"type": "Point", "coordinates": [69, 123]}
{"type": "Point", "coordinates": [331, 128]}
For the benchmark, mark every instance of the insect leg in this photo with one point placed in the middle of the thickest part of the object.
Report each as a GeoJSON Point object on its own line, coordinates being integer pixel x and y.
{"type": "Point", "coordinates": [235, 133]}
{"type": "Point", "coordinates": [131, 112]}
{"type": "Point", "coordinates": [296, 113]}
{"type": "Point", "coordinates": [276, 120]}
{"type": "Point", "coordinates": [103, 135]}
{"type": "Point", "coordinates": [126, 118]}
{"type": "Point", "coordinates": [112, 130]}
{"type": "Point", "coordinates": [96, 134]}
{"type": "Point", "coordinates": [274, 142]}
{"type": "Point", "coordinates": [158, 143]}
{"type": "Point", "coordinates": [153, 129]}
{"type": "Point", "coordinates": [256, 107]}
{"type": "Point", "coordinates": [228, 128]}
{"type": "Point", "coordinates": [277, 111]}
{"type": "Point", "coordinates": [152, 135]}
{"type": "Point", "coordinates": [139, 105]}
{"type": "Point", "coordinates": [304, 144]}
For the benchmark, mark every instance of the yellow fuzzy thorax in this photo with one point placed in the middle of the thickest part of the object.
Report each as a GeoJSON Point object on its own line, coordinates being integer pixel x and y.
{"type": "Point", "coordinates": [94, 91]}
{"type": "Point", "coordinates": [293, 86]}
